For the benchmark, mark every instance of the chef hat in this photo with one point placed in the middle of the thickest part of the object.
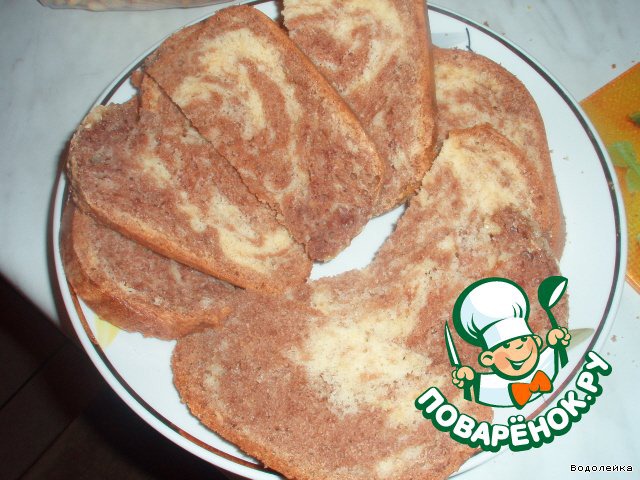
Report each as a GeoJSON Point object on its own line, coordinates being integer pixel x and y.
{"type": "Point", "coordinates": [491, 311]}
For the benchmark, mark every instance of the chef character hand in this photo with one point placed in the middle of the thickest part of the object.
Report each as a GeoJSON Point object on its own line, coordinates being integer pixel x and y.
{"type": "Point", "coordinates": [558, 337]}
{"type": "Point", "coordinates": [462, 376]}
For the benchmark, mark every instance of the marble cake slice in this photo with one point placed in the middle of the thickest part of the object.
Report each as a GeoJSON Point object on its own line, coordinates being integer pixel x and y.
{"type": "Point", "coordinates": [473, 218]}
{"type": "Point", "coordinates": [261, 103]}
{"type": "Point", "coordinates": [134, 288]}
{"type": "Point", "coordinates": [140, 168]}
{"type": "Point", "coordinates": [472, 89]}
{"type": "Point", "coordinates": [377, 54]}
{"type": "Point", "coordinates": [317, 398]}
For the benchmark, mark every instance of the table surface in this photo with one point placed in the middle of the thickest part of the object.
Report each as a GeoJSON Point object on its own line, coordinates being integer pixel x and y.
{"type": "Point", "coordinates": [55, 63]}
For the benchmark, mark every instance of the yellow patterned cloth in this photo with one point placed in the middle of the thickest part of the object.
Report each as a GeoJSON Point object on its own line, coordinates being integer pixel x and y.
{"type": "Point", "coordinates": [615, 112]}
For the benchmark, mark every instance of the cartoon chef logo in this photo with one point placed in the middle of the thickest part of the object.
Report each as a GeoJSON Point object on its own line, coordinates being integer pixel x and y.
{"type": "Point", "coordinates": [518, 367]}
{"type": "Point", "coordinates": [493, 314]}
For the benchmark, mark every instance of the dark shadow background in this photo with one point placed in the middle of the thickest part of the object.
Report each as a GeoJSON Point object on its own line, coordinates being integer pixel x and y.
{"type": "Point", "coordinates": [60, 420]}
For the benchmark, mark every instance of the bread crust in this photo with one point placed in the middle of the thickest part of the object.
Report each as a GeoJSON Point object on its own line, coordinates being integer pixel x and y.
{"type": "Point", "coordinates": [135, 289]}
{"type": "Point", "coordinates": [262, 104]}
{"type": "Point", "coordinates": [472, 89]}
{"type": "Point", "coordinates": [378, 57]}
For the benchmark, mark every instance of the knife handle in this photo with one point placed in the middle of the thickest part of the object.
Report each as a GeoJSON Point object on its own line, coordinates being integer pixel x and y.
{"type": "Point", "coordinates": [467, 391]}
{"type": "Point", "coordinates": [562, 351]}
{"type": "Point", "coordinates": [562, 355]}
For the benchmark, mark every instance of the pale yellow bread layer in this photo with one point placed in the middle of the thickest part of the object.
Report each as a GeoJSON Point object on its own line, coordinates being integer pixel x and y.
{"type": "Point", "coordinates": [471, 90]}
{"type": "Point", "coordinates": [473, 218]}
{"type": "Point", "coordinates": [377, 54]}
{"type": "Point", "coordinates": [317, 398]}
{"type": "Point", "coordinates": [146, 173]}
{"type": "Point", "coordinates": [262, 104]}
{"type": "Point", "coordinates": [134, 288]}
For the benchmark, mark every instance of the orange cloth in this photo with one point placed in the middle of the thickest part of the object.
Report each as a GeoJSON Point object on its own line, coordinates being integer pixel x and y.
{"type": "Point", "coordinates": [615, 112]}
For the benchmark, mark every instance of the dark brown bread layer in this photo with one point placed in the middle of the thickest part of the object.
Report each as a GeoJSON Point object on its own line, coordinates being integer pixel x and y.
{"type": "Point", "coordinates": [135, 289]}
{"type": "Point", "coordinates": [151, 177]}
{"type": "Point", "coordinates": [471, 90]}
{"type": "Point", "coordinates": [473, 218]}
{"type": "Point", "coordinates": [317, 398]}
{"type": "Point", "coordinates": [378, 56]}
{"type": "Point", "coordinates": [262, 104]}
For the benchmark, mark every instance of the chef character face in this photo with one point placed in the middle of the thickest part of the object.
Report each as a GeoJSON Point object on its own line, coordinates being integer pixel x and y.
{"type": "Point", "coordinates": [515, 358]}
{"type": "Point", "coordinates": [493, 314]}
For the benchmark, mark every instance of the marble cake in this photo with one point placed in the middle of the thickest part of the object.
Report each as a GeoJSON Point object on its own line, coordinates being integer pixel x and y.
{"type": "Point", "coordinates": [140, 168]}
{"type": "Point", "coordinates": [377, 54]}
{"type": "Point", "coordinates": [134, 288]}
{"type": "Point", "coordinates": [318, 398]}
{"type": "Point", "coordinates": [471, 90]}
{"type": "Point", "coordinates": [262, 104]}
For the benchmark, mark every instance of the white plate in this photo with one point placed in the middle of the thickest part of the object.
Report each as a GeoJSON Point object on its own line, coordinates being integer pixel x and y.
{"type": "Point", "coordinates": [138, 369]}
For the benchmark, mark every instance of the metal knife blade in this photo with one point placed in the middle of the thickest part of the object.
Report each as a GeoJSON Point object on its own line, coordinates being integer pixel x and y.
{"type": "Point", "coordinates": [451, 348]}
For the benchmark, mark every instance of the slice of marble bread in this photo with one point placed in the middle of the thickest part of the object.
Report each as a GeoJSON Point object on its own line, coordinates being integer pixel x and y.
{"type": "Point", "coordinates": [140, 168]}
{"type": "Point", "coordinates": [378, 56]}
{"type": "Point", "coordinates": [471, 90]}
{"type": "Point", "coordinates": [316, 398]}
{"type": "Point", "coordinates": [262, 104]}
{"type": "Point", "coordinates": [473, 218]}
{"type": "Point", "coordinates": [134, 288]}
